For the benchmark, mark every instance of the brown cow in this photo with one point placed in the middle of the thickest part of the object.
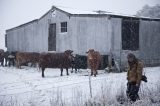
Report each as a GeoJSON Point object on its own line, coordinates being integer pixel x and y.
{"type": "Point", "coordinates": [56, 60]}
{"type": "Point", "coordinates": [26, 57]}
{"type": "Point", "coordinates": [93, 60]}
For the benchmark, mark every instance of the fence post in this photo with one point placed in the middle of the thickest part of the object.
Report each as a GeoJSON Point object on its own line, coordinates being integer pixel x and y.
{"type": "Point", "coordinates": [90, 85]}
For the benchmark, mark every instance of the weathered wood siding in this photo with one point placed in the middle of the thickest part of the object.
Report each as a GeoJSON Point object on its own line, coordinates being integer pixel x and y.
{"type": "Point", "coordinates": [22, 38]}
{"type": "Point", "coordinates": [63, 40]}
{"type": "Point", "coordinates": [43, 32]}
{"type": "Point", "coordinates": [150, 42]}
{"type": "Point", "coordinates": [91, 33]}
{"type": "Point", "coordinates": [116, 38]}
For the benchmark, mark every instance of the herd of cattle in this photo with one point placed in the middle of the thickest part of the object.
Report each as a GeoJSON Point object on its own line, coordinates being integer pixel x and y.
{"type": "Point", "coordinates": [45, 60]}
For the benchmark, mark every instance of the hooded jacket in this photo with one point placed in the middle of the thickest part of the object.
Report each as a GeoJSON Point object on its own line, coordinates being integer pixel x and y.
{"type": "Point", "coordinates": [134, 73]}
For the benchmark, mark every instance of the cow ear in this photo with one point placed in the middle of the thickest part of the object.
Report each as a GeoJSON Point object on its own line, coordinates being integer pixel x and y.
{"type": "Point", "coordinates": [87, 52]}
{"type": "Point", "coordinates": [71, 51]}
{"type": "Point", "coordinates": [68, 51]}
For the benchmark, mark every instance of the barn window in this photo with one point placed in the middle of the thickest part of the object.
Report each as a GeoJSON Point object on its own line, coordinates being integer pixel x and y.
{"type": "Point", "coordinates": [130, 34]}
{"type": "Point", "coordinates": [63, 26]}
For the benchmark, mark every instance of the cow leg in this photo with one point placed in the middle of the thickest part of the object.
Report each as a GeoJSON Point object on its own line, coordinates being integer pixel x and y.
{"type": "Point", "coordinates": [43, 72]}
{"type": "Point", "coordinates": [91, 72]}
{"type": "Point", "coordinates": [13, 62]}
{"type": "Point", "coordinates": [9, 62]}
{"type": "Point", "coordinates": [61, 71]}
{"type": "Point", "coordinates": [95, 72]}
{"type": "Point", "coordinates": [19, 66]}
{"type": "Point", "coordinates": [75, 69]}
{"type": "Point", "coordinates": [67, 71]}
{"type": "Point", "coordinates": [73, 66]}
{"type": "Point", "coordinates": [17, 63]}
{"type": "Point", "coordinates": [2, 63]}
{"type": "Point", "coordinates": [6, 60]}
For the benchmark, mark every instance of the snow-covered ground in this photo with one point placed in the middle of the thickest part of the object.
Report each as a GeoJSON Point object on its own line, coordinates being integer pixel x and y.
{"type": "Point", "coordinates": [27, 87]}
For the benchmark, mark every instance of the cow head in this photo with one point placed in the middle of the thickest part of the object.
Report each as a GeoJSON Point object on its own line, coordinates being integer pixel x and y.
{"type": "Point", "coordinates": [90, 53]}
{"type": "Point", "coordinates": [69, 53]}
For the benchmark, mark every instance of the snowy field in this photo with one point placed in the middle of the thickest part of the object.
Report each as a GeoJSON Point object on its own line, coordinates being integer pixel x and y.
{"type": "Point", "coordinates": [26, 87]}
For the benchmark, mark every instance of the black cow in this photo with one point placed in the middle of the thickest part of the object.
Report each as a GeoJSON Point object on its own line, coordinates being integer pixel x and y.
{"type": "Point", "coordinates": [55, 60]}
{"type": "Point", "coordinates": [79, 62]}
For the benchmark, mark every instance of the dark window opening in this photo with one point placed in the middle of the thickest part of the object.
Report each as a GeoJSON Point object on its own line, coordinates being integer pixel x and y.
{"type": "Point", "coordinates": [130, 34]}
{"type": "Point", "coordinates": [6, 40]}
{"type": "Point", "coordinates": [52, 37]}
{"type": "Point", "coordinates": [63, 26]}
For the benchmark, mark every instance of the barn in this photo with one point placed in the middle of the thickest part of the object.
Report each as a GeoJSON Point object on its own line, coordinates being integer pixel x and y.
{"type": "Point", "coordinates": [111, 34]}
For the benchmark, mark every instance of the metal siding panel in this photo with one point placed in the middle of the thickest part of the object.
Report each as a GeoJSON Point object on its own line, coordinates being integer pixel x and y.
{"type": "Point", "coordinates": [149, 41]}
{"type": "Point", "coordinates": [91, 32]}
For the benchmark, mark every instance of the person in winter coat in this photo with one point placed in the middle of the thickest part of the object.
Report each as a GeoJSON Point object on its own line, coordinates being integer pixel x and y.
{"type": "Point", "coordinates": [134, 76]}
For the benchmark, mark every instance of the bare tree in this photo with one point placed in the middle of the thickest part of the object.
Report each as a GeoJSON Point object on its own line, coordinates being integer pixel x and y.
{"type": "Point", "coordinates": [150, 11]}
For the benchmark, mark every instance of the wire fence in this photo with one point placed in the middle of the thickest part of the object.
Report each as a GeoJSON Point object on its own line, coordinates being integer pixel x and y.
{"type": "Point", "coordinates": [151, 62]}
{"type": "Point", "coordinates": [48, 83]}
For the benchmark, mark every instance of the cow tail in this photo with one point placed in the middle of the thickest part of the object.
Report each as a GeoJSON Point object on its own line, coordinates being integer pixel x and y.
{"type": "Point", "coordinates": [39, 67]}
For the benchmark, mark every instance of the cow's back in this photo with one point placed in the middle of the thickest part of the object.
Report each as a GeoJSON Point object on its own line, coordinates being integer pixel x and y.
{"type": "Point", "coordinates": [54, 60]}
{"type": "Point", "coordinates": [20, 55]}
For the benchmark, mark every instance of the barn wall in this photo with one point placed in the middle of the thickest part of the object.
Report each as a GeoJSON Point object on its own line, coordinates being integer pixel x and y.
{"type": "Point", "coordinates": [22, 38]}
{"type": "Point", "coordinates": [33, 37]}
{"type": "Point", "coordinates": [116, 38]}
{"type": "Point", "coordinates": [149, 42]}
{"type": "Point", "coordinates": [118, 54]}
{"type": "Point", "coordinates": [63, 40]}
{"type": "Point", "coordinates": [91, 33]}
{"type": "Point", "coordinates": [42, 34]}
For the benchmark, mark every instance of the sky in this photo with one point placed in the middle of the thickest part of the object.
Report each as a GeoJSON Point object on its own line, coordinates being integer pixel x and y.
{"type": "Point", "coordinates": [17, 12]}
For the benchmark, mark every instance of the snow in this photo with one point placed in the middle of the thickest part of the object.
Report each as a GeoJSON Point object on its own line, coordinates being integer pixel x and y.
{"type": "Point", "coordinates": [81, 11]}
{"type": "Point", "coordinates": [26, 85]}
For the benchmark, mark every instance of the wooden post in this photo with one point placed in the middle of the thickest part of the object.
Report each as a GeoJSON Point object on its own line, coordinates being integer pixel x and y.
{"type": "Point", "coordinates": [90, 84]}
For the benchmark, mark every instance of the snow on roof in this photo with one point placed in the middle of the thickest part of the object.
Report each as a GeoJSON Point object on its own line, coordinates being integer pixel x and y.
{"type": "Point", "coordinates": [96, 12]}
{"type": "Point", "coordinates": [79, 12]}
{"type": "Point", "coordinates": [73, 10]}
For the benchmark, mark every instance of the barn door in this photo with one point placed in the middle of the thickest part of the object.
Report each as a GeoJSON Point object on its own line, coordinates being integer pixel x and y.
{"type": "Point", "coordinates": [52, 37]}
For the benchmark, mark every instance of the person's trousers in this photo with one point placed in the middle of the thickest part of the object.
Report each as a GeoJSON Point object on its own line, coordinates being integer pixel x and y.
{"type": "Point", "coordinates": [132, 91]}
